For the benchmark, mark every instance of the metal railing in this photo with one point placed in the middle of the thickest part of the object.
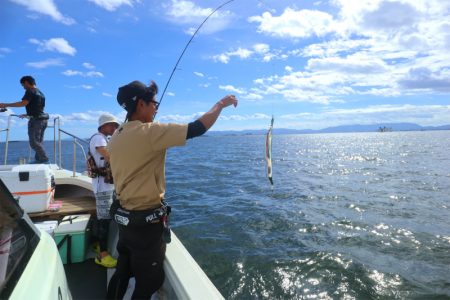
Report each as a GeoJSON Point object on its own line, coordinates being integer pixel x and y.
{"type": "Point", "coordinates": [76, 141]}
{"type": "Point", "coordinates": [57, 142]}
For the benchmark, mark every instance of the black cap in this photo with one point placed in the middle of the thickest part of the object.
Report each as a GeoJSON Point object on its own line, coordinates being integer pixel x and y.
{"type": "Point", "coordinates": [130, 93]}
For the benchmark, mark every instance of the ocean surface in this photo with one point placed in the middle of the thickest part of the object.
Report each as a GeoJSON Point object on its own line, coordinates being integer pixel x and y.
{"type": "Point", "coordinates": [350, 216]}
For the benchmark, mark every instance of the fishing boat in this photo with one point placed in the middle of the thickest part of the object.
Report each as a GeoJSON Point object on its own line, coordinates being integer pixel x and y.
{"type": "Point", "coordinates": [30, 263]}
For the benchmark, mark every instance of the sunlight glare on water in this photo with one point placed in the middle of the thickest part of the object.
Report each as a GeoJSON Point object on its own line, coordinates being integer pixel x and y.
{"type": "Point", "coordinates": [351, 216]}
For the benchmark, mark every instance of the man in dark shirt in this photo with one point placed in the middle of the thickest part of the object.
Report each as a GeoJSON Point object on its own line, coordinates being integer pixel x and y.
{"type": "Point", "coordinates": [34, 102]}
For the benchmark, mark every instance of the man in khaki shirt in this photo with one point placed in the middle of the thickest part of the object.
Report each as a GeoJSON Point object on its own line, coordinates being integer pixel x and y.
{"type": "Point", "coordinates": [137, 154]}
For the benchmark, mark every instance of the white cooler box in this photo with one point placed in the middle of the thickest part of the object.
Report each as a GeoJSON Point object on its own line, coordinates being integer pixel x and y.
{"type": "Point", "coordinates": [33, 184]}
{"type": "Point", "coordinates": [48, 226]}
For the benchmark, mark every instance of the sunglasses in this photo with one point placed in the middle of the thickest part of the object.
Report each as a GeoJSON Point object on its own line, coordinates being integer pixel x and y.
{"type": "Point", "coordinates": [150, 97]}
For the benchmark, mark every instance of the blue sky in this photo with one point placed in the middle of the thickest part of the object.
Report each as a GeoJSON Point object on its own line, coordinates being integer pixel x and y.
{"type": "Point", "coordinates": [313, 64]}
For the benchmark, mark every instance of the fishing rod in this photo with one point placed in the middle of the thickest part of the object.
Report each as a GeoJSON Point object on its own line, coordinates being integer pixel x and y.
{"type": "Point", "coordinates": [184, 50]}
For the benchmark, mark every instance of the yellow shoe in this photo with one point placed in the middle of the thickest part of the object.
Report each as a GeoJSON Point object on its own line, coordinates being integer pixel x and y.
{"type": "Point", "coordinates": [108, 261]}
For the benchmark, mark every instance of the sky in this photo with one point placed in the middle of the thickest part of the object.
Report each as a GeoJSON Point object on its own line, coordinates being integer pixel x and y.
{"type": "Point", "coordinates": [310, 64]}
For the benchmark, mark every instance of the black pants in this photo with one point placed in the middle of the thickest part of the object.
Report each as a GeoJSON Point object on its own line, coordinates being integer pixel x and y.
{"type": "Point", "coordinates": [141, 255]}
{"type": "Point", "coordinates": [102, 231]}
{"type": "Point", "coordinates": [36, 129]}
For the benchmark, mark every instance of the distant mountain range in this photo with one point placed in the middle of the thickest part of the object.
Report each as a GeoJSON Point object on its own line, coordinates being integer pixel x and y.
{"type": "Point", "coordinates": [337, 129]}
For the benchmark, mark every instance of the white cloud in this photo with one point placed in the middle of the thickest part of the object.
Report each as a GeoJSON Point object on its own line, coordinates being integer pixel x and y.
{"type": "Point", "coordinates": [261, 48]}
{"type": "Point", "coordinates": [256, 116]}
{"type": "Point", "coordinates": [4, 51]}
{"type": "Point", "coordinates": [391, 15]}
{"type": "Point", "coordinates": [180, 118]}
{"type": "Point", "coordinates": [365, 52]}
{"type": "Point", "coordinates": [242, 53]}
{"type": "Point", "coordinates": [94, 74]}
{"type": "Point", "coordinates": [351, 64]}
{"type": "Point", "coordinates": [379, 15]}
{"type": "Point", "coordinates": [230, 88]}
{"type": "Point", "coordinates": [264, 51]}
{"type": "Point", "coordinates": [425, 79]}
{"type": "Point", "coordinates": [386, 30]}
{"type": "Point", "coordinates": [252, 97]}
{"type": "Point", "coordinates": [188, 13]}
{"type": "Point", "coordinates": [243, 93]}
{"type": "Point", "coordinates": [83, 74]}
{"type": "Point", "coordinates": [295, 116]}
{"type": "Point", "coordinates": [400, 25]}
{"type": "Point", "coordinates": [199, 74]}
{"type": "Point", "coordinates": [223, 58]}
{"type": "Point", "coordinates": [88, 66]}
{"type": "Point", "coordinates": [421, 114]}
{"type": "Point", "coordinates": [335, 47]}
{"type": "Point", "coordinates": [295, 24]}
{"type": "Point", "coordinates": [258, 51]}
{"type": "Point", "coordinates": [51, 62]}
{"type": "Point", "coordinates": [45, 7]}
{"type": "Point", "coordinates": [72, 73]}
{"type": "Point", "coordinates": [298, 87]}
{"type": "Point", "coordinates": [112, 5]}
{"type": "Point", "coordinates": [55, 45]}
{"type": "Point", "coordinates": [425, 115]}
{"type": "Point", "coordinates": [107, 94]}
{"type": "Point", "coordinates": [82, 86]}
{"type": "Point", "coordinates": [89, 117]}
{"type": "Point", "coordinates": [176, 118]}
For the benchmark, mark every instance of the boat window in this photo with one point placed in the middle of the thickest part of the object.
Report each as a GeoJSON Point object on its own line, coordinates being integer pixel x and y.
{"type": "Point", "coordinates": [17, 242]}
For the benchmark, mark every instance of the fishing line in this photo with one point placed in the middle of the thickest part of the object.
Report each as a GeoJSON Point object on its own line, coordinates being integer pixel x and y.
{"type": "Point", "coordinates": [187, 45]}
{"type": "Point", "coordinates": [184, 50]}
{"type": "Point", "coordinates": [269, 134]}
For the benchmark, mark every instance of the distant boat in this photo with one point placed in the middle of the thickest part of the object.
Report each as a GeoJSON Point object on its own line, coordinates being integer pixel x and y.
{"type": "Point", "coordinates": [384, 129]}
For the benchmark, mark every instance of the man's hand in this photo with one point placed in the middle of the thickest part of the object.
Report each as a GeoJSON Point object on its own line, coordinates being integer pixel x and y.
{"type": "Point", "coordinates": [228, 100]}
{"type": "Point", "coordinates": [209, 118]}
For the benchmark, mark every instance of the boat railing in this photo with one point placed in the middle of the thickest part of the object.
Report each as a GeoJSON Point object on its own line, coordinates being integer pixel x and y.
{"type": "Point", "coordinates": [184, 277]}
{"type": "Point", "coordinates": [57, 142]}
{"type": "Point", "coordinates": [7, 130]}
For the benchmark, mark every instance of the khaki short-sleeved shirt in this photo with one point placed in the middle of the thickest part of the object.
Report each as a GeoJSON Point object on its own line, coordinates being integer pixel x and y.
{"type": "Point", "coordinates": [137, 154]}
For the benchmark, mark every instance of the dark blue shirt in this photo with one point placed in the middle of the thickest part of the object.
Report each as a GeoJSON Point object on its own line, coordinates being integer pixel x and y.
{"type": "Point", "coordinates": [36, 102]}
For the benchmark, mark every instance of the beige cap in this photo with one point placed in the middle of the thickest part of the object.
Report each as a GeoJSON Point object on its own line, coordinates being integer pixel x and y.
{"type": "Point", "coordinates": [107, 118]}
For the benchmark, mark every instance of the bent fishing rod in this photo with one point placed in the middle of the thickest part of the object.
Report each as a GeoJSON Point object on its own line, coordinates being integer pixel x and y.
{"type": "Point", "coordinates": [184, 50]}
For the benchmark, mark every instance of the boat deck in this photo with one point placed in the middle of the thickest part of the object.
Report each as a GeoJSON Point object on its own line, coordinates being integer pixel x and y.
{"type": "Point", "coordinates": [70, 206]}
{"type": "Point", "coordinates": [86, 280]}
{"type": "Point", "coordinates": [75, 195]}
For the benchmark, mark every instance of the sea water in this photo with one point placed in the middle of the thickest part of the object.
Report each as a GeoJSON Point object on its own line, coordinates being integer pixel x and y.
{"type": "Point", "coordinates": [351, 216]}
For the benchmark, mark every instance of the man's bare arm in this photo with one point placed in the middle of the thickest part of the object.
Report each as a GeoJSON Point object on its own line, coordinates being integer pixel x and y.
{"type": "Point", "coordinates": [15, 104]}
{"type": "Point", "coordinates": [103, 152]}
{"type": "Point", "coordinates": [209, 118]}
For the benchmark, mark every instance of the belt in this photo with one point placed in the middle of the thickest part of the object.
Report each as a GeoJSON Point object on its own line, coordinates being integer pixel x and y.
{"type": "Point", "coordinates": [137, 217]}
{"type": "Point", "coordinates": [43, 116]}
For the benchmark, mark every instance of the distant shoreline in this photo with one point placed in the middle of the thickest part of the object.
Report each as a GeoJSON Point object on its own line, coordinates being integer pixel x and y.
{"type": "Point", "coordinates": [394, 127]}
{"type": "Point", "coordinates": [337, 129]}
